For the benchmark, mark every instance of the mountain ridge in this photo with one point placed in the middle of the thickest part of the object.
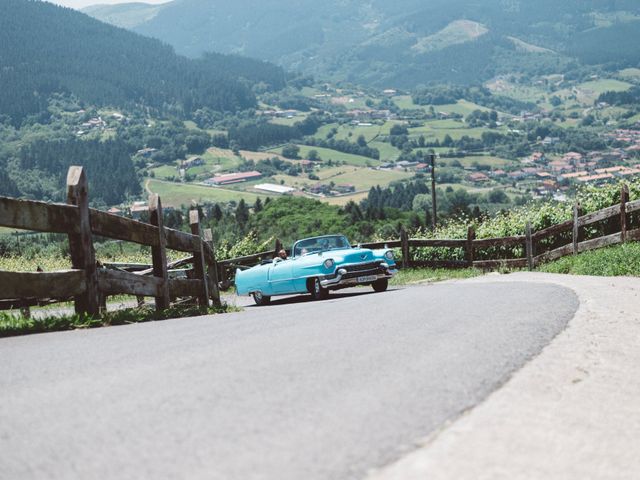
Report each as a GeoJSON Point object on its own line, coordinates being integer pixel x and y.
{"type": "Point", "coordinates": [370, 42]}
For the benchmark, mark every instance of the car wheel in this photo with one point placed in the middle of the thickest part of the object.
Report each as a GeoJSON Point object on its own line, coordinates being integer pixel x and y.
{"type": "Point", "coordinates": [261, 299]}
{"type": "Point", "coordinates": [318, 291]}
{"type": "Point", "coordinates": [380, 285]}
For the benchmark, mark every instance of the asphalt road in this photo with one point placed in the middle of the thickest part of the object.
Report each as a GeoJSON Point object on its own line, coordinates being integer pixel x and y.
{"type": "Point", "coordinates": [297, 390]}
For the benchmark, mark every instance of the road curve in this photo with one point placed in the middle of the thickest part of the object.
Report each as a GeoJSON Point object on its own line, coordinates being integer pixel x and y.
{"type": "Point", "coordinates": [297, 390]}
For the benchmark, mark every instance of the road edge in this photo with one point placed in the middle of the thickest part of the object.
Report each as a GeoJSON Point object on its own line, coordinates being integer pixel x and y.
{"type": "Point", "coordinates": [553, 417]}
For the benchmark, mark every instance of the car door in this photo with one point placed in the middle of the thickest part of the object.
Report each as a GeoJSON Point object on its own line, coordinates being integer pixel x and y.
{"type": "Point", "coordinates": [281, 277]}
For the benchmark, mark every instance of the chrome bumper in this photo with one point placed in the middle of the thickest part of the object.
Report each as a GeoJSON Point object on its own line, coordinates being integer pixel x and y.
{"type": "Point", "coordinates": [340, 281]}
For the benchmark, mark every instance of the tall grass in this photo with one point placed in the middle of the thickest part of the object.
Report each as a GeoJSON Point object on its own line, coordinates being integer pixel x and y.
{"type": "Point", "coordinates": [619, 260]}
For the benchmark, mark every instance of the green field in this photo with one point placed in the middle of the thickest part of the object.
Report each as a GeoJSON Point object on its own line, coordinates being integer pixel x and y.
{"type": "Point", "coordinates": [215, 161]}
{"type": "Point", "coordinates": [364, 179]}
{"type": "Point", "coordinates": [387, 151]}
{"type": "Point", "coordinates": [177, 194]}
{"type": "Point", "coordinates": [630, 73]}
{"type": "Point", "coordinates": [461, 107]}
{"type": "Point", "coordinates": [328, 154]}
{"type": "Point", "coordinates": [438, 129]}
{"type": "Point", "coordinates": [495, 162]}
{"type": "Point", "coordinates": [361, 178]}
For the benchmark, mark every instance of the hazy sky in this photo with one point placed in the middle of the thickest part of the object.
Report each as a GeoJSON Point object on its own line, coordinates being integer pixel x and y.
{"type": "Point", "coordinates": [85, 3]}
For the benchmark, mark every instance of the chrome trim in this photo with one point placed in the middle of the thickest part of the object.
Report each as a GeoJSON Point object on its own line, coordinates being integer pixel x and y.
{"type": "Point", "coordinates": [332, 282]}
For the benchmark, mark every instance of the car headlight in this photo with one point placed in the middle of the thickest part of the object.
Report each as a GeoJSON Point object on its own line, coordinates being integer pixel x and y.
{"type": "Point", "coordinates": [329, 263]}
{"type": "Point", "coordinates": [389, 255]}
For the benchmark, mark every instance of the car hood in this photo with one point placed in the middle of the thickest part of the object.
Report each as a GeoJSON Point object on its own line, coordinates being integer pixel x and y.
{"type": "Point", "coordinates": [345, 255]}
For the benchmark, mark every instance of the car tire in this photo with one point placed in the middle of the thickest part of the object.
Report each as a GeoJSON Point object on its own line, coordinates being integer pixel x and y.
{"type": "Point", "coordinates": [318, 291]}
{"type": "Point", "coordinates": [380, 285]}
{"type": "Point", "coordinates": [261, 299]}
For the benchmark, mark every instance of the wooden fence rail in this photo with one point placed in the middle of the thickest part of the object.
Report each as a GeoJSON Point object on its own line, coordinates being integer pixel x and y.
{"type": "Point", "coordinates": [551, 243]}
{"type": "Point", "coordinates": [88, 284]}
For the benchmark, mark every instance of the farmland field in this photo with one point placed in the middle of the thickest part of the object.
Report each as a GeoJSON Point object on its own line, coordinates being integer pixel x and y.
{"type": "Point", "coordinates": [177, 194]}
{"type": "Point", "coordinates": [328, 154]}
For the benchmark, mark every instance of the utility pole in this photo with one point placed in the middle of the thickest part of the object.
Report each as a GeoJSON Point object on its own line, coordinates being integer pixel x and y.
{"type": "Point", "coordinates": [434, 219]}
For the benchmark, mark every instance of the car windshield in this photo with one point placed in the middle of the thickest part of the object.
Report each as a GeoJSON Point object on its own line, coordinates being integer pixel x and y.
{"type": "Point", "coordinates": [320, 244]}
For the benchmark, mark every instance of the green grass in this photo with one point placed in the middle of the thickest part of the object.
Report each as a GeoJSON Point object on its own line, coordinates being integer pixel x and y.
{"type": "Point", "coordinates": [416, 275]}
{"type": "Point", "coordinates": [631, 73]}
{"type": "Point", "coordinates": [619, 260]}
{"type": "Point", "coordinates": [177, 194]}
{"type": "Point", "coordinates": [328, 154]}
{"type": "Point", "coordinates": [363, 178]}
{"type": "Point", "coordinates": [387, 151]}
{"type": "Point", "coordinates": [13, 324]}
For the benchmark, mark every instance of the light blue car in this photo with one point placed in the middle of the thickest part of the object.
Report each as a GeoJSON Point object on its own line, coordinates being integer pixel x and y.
{"type": "Point", "coordinates": [316, 266]}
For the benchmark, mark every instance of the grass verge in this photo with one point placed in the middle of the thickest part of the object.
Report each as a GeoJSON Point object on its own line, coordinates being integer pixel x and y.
{"type": "Point", "coordinates": [414, 275]}
{"type": "Point", "coordinates": [619, 260]}
{"type": "Point", "coordinates": [12, 324]}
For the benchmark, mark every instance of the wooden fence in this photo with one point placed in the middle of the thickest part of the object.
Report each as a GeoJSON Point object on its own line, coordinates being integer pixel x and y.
{"type": "Point", "coordinates": [612, 225]}
{"type": "Point", "coordinates": [86, 282]}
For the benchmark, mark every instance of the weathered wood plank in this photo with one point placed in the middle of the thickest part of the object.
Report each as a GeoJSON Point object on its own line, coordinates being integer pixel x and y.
{"type": "Point", "coordinates": [22, 285]}
{"type": "Point", "coordinates": [633, 235]}
{"type": "Point", "coordinates": [38, 216]}
{"type": "Point", "coordinates": [553, 230]}
{"type": "Point", "coordinates": [529, 246]}
{"type": "Point", "coordinates": [114, 282]}
{"type": "Point", "coordinates": [624, 198]}
{"type": "Point", "coordinates": [499, 242]}
{"type": "Point", "coordinates": [248, 259]}
{"type": "Point", "coordinates": [121, 228]}
{"type": "Point", "coordinates": [600, 242]}
{"type": "Point", "coordinates": [599, 216]}
{"type": "Point", "coordinates": [81, 244]}
{"type": "Point", "coordinates": [404, 246]}
{"type": "Point", "coordinates": [554, 254]}
{"type": "Point", "coordinates": [576, 228]}
{"type": "Point", "coordinates": [181, 241]}
{"type": "Point", "coordinates": [469, 250]}
{"type": "Point", "coordinates": [633, 206]}
{"type": "Point", "coordinates": [491, 264]}
{"type": "Point", "coordinates": [171, 265]}
{"type": "Point", "coordinates": [185, 287]}
{"type": "Point", "coordinates": [159, 252]}
{"type": "Point", "coordinates": [199, 259]}
{"type": "Point", "coordinates": [435, 243]}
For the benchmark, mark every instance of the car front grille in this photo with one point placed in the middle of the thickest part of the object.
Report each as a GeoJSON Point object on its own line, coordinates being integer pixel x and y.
{"type": "Point", "coordinates": [362, 267]}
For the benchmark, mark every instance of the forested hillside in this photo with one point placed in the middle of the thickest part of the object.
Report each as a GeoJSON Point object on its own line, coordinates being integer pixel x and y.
{"type": "Point", "coordinates": [47, 49]}
{"type": "Point", "coordinates": [403, 43]}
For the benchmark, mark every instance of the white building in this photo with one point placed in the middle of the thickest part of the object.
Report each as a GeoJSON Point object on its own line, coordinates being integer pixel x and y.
{"type": "Point", "coordinates": [273, 188]}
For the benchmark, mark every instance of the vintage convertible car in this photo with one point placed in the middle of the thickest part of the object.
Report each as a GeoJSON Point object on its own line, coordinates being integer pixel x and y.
{"type": "Point", "coordinates": [316, 266]}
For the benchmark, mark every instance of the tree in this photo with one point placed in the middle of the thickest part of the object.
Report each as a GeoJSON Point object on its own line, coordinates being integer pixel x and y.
{"type": "Point", "coordinates": [313, 155]}
{"type": "Point", "coordinates": [242, 213]}
{"type": "Point", "coordinates": [291, 151]}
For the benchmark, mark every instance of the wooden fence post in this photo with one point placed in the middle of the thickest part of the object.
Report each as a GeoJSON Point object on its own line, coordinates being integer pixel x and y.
{"type": "Point", "coordinates": [159, 253]}
{"type": "Point", "coordinates": [624, 198]}
{"type": "Point", "coordinates": [212, 270]}
{"type": "Point", "coordinates": [198, 259]}
{"type": "Point", "coordinates": [468, 247]}
{"type": "Point", "coordinates": [576, 228]}
{"type": "Point", "coordinates": [81, 244]}
{"type": "Point", "coordinates": [404, 244]}
{"type": "Point", "coordinates": [529, 247]}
